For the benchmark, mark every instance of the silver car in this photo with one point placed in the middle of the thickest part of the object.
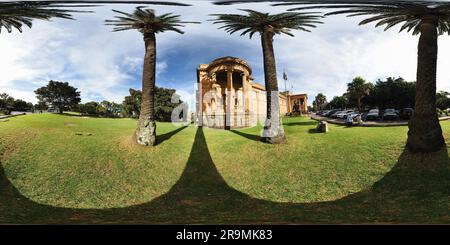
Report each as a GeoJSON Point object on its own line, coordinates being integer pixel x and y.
{"type": "Point", "coordinates": [373, 114]}
{"type": "Point", "coordinates": [343, 114]}
{"type": "Point", "coordinates": [390, 114]}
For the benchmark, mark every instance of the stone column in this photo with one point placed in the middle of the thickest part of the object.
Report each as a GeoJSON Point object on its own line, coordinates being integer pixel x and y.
{"type": "Point", "coordinates": [202, 78]}
{"type": "Point", "coordinates": [305, 101]}
{"type": "Point", "coordinates": [245, 88]}
{"type": "Point", "coordinates": [229, 99]}
{"type": "Point", "coordinates": [288, 102]}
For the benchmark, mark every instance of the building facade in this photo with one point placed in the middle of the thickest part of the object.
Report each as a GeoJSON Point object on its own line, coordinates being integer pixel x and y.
{"type": "Point", "coordinates": [228, 97]}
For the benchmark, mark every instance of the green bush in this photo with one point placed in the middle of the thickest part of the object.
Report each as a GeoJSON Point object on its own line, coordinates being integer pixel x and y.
{"type": "Point", "coordinates": [5, 112]}
{"type": "Point", "coordinates": [441, 113]}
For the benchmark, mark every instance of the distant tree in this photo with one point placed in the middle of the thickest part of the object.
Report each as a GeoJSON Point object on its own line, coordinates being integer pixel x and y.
{"type": "Point", "coordinates": [319, 101]}
{"type": "Point", "coordinates": [89, 108]}
{"type": "Point", "coordinates": [163, 104]}
{"type": "Point", "coordinates": [109, 109]}
{"type": "Point", "coordinates": [21, 105]}
{"type": "Point", "coordinates": [58, 94]}
{"type": "Point", "coordinates": [6, 103]}
{"type": "Point", "coordinates": [132, 104]}
{"type": "Point", "coordinates": [41, 106]}
{"type": "Point", "coordinates": [443, 100]}
{"type": "Point", "coordinates": [338, 102]}
{"type": "Point", "coordinates": [392, 93]}
{"type": "Point", "coordinates": [358, 89]}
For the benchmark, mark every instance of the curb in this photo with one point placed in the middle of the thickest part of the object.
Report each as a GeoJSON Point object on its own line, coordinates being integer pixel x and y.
{"type": "Point", "coordinates": [15, 115]}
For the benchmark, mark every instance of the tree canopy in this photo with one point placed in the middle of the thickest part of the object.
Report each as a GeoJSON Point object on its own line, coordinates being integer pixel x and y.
{"type": "Point", "coordinates": [59, 95]}
{"type": "Point", "coordinates": [257, 22]}
{"type": "Point", "coordinates": [163, 104]}
{"type": "Point", "coordinates": [392, 93]}
{"type": "Point", "coordinates": [338, 102]}
{"type": "Point", "coordinates": [319, 101]}
{"type": "Point", "coordinates": [145, 21]}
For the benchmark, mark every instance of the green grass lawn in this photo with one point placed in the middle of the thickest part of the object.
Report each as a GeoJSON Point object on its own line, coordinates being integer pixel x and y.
{"type": "Point", "coordinates": [73, 169]}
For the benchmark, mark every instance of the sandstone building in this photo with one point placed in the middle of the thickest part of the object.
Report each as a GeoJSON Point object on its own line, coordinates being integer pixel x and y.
{"type": "Point", "coordinates": [227, 96]}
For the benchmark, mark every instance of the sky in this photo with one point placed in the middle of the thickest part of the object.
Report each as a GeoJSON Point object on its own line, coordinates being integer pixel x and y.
{"type": "Point", "coordinates": [103, 65]}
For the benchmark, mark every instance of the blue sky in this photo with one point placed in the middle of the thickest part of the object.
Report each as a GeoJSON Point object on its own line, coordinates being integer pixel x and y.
{"type": "Point", "coordinates": [105, 64]}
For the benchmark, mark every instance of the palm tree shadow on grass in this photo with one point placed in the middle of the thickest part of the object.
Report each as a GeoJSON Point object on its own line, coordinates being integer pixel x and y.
{"type": "Point", "coordinates": [300, 123]}
{"type": "Point", "coordinates": [246, 135]}
{"type": "Point", "coordinates": [313, 131]}
{"type": "Point", "coordinates": [201, 195]}
{"type": "Point", "coordinates": [258, 138]}
{"type": "Point", "coordinates": [163, 137]}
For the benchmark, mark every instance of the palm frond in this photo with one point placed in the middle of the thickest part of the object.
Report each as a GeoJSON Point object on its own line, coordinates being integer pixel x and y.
{"type": "Point", "coordinates": [65, 3]}
{"type": "Point", "coordinates": [15, 14]}
{"type": "Point", "coordinates": [411, 14]}
{"type": "Point", "coordinates": [255, 22]}
{"type": "Point", "coordinates": [145, 21]}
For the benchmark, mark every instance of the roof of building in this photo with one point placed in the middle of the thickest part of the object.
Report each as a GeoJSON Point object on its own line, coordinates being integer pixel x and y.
{"type": "Point", "coordinates": [226, 59]}
{"type": "Point", "coordinates": [257, 85]}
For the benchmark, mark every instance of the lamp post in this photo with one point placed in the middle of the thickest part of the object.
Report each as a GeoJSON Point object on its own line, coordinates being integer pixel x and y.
{"type": "Point", "coordinates": [285, 78]}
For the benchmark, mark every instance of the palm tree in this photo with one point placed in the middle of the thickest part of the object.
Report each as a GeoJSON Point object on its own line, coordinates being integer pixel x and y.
{"type": "Point", "coordinates": [320, 101]}
{"type": "Point", "coordinates": [147, 23]}
{"type": "Point", "coordinates": [358, 89]}
{"type": "Point", "coordinates": [15, 14]}
{"type": "Point", "coordinates": [268, 25]}
{"type": "Point", "coordinates": [427, 18]}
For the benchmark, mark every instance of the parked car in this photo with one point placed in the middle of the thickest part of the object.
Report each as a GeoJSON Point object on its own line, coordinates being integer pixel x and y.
{"type": "Point", "coordinates": [352, 115]}
{"type": "Point", "coordinates": [52, 110]}
{"type": "Point", "coordinates": [390, 114]}
{"type": "Point", "coordinates": [321, 113]}
{"type": "Point", "coordinates": [343, 114]}
{"type": "Point", "coordinates": [405, 113]}
{"type": "Point", "coordinates": [373, 114]}
{"type": "Point", "coordinates": [334, 115]}
{"type": "Point", "coordinates": [331, 112]}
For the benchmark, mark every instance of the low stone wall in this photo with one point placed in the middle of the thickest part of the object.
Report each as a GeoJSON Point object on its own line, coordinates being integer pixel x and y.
{"type": "Point", "coordinates": [8, 116]}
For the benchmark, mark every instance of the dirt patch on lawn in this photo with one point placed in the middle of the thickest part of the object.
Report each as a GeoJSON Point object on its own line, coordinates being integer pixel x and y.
{"type": "Point", "coordinates": [127, 142]}
{"type": "Point", "coordinates": [69, 124]}
{"type": "Point", "coordinates": [10, 143]}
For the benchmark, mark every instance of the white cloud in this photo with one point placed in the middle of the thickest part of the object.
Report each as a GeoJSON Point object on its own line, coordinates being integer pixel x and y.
{"type": "Point", "coordinates": [102, 64]}
{"type": "Point", "coordinates": [326, 60]}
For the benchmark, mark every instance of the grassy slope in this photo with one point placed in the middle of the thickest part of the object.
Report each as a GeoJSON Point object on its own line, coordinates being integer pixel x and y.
{"type": "Point", "coordinates": [58, 167]}
{"type": "Point", "coordinates": [228, 176]}
{"type": "Point", "coordinates": [311, 167]}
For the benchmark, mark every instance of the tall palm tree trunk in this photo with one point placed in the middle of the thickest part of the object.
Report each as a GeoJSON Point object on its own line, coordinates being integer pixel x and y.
{"type": "Point", "coordinates": [425, 133]}
{"type": "Point", "coordinates": [359, 105]}
{"type": "Point", "coordinates": [146, 130]}
{"type": "Point", "coordinates": [273, 128]}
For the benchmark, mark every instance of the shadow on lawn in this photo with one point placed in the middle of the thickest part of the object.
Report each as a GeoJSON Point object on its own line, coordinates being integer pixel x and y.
{"type": "Point", "coordinates": [313, 131]}
{"type": "Point", "coordinates": [300, 123]}
{"type": "Point", "coordinates": [415, 190]}
{"type": "Point", "coordinates": [163, 137]}
{"type": "Point", "coordinates": [248, 136]}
